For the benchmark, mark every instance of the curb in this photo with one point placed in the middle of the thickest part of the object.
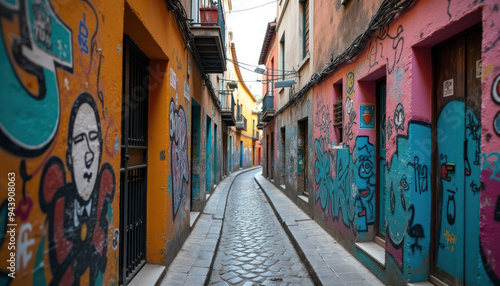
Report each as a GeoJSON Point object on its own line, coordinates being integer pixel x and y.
{"type": "Point", "coordinates": [209, 274]}
{"type": "Point", "coordinates": [295, 243]}
{"type": "Point", "coordinates": [193, 264]}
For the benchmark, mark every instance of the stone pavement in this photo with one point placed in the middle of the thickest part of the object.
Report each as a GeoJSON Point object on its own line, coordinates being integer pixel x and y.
{"type": "Point", "coordinates": [327, 261]}
{"type": "Point", "coordinates": [257, 246]}
{"type": "Point", "coordinates": [254, 248]}
{"type": "Point", "coordinates": [193, 263]}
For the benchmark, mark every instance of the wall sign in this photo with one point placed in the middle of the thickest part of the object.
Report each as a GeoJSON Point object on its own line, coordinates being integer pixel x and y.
{"type": "Point", "coordinates": [173, 79]}
{"type": "Point", "coordinates": [479, 69]}
{"type": "Point", "coordinates": [448, 88]}
{"type": "Point", "coordinates": [186, 92]}
{"type": "Point", "coordinates": [367, 111]}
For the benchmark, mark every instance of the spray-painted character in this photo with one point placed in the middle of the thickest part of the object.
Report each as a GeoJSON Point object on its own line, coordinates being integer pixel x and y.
{"type": "Point", "coordinates": [77, 210]}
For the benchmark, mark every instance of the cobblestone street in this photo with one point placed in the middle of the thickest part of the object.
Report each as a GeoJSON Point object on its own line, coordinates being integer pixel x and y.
{"type": "Point", "coordinates": [254, 247]}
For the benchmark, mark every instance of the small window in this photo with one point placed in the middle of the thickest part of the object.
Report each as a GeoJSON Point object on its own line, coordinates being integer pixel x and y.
{"type": "Point", "coordinates": [338, 111]}
{"type": "Point", "coordinates": [305, 28]}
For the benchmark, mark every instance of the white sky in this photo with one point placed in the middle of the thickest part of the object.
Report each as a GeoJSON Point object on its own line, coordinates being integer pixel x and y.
{"type": "Point", "coordinates": [249, 28]}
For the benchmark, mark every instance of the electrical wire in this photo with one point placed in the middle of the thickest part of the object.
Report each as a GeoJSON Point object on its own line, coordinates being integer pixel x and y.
{"type": "Point", "coordinates": [384, 15]}
{"type": "Point", "coordinates": [251, 8]}
{"type": "Point", "coordinates": [241, 63]}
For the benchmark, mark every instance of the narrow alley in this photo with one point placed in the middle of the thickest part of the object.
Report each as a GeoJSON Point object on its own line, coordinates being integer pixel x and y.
{"type": "Point", "coordinates": [236, 142]}
{"type": "Point", "coordinates": [253, 246]}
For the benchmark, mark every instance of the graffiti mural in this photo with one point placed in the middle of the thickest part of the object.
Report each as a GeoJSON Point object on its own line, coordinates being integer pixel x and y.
{"type": "Point", "coordinates": [179, 155]}
{"type": "Point", "coordinates": [77, 211]}
{"type": "Point", "coordinates": [336, 171]}
{"type": "Point", "coordinates": [409, 174]}
{"type": "Point", "coordinates": [29, 125]}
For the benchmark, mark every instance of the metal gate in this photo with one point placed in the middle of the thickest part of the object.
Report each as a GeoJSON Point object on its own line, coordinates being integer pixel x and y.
{"type": "Point", "coordinates": [133, 171]}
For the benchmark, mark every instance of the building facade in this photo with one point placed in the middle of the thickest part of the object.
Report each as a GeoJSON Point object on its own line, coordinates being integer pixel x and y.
{"type": "Point", "coordinates": [111, 134]}
{"type": "Point", "coordinates": [401, 144]}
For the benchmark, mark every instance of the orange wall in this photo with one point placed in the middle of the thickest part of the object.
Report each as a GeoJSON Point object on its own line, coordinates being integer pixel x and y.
{"type": "Point", "coordinates": [73, 65]}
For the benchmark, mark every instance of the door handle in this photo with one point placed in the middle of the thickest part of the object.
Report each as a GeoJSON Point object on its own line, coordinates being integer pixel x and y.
{"type": "Point", "coordinates": [450, 167]}
{"type": "Point", "coordinates": [127, 156]}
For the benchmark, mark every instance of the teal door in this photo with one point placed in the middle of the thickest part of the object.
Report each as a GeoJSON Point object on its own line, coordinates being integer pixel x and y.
{"type": "Point", "coordinates": [215, 154]}
{"type": "Point", "coordinates": [457, 92]}
{"type": "Point", "coordinates": [209, 153]}
{"type": "Point", "coordinates": [230, 153]}
{"type": "Point", "coordinates": [241, 154]}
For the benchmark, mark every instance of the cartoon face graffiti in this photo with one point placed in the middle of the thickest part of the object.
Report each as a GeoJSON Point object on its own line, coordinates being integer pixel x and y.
{"type": "Point", "coordinates": [84, 146]}
{"type": "Point", "coordinates": [77, 211]}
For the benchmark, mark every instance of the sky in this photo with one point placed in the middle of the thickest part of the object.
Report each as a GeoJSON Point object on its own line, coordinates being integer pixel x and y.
{"type": "Point", "coordinates": [249, 28]}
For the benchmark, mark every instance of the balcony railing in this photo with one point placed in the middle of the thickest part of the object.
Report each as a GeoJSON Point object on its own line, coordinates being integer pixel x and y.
{"type": "Point", "coordinates": [260, 123]}
{"type": "Point", "coordinates": [227, 107]}
{"type": "Point", "coordinates": [268, 107]}
{"type": "Point", "coordinates": [241, 122]}
{"type": "Point", "coordinates": [255, 134]}
{"type": "Point", "coordinates": [209, 29]}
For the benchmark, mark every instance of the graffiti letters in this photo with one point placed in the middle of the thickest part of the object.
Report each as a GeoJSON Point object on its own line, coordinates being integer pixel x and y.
{"type": "Point", "coordinates": [83, 34]}
{"type": "Point", "coordinates": [421, 176]}
{"type": "Point", "coordinates": [178, 154]}
{"type": "Point", "coordinates": [349, 133]}
{"type": "Point", "coordinates": [493, 165]}
{"type": "Point", "coordinates": [350, 83]}
{"type": "Point", "coordinates": [23, 255]}
{"type": "Point", "coordinates": [323, 118]}
{"type": "Point", "coordinates": [376, 49]}
{"type": "Point", "coordinates": [451, 207]}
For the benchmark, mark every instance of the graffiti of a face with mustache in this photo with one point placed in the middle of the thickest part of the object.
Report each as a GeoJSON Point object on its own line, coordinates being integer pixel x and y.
{"type": "Point", "coordinates": [84, 150]}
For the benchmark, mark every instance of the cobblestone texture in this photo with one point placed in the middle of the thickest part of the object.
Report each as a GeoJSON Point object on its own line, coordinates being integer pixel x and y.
{"type": "Point", "coordinates": [254, 249]}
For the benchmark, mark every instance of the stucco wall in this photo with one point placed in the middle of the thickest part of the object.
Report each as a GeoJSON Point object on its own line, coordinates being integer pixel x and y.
{"type": "Point", "coordinates": [65, 75]}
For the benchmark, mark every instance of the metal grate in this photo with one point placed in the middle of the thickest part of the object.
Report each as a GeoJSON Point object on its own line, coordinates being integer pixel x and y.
{"type": "Point", "coordinates": [338, 113]}
{"type": "Point", "coordinates": [133, 188]}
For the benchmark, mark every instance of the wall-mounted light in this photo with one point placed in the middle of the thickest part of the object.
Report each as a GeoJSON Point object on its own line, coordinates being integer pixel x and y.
{"type": "Point", "coordinates": [232, 84]}
{"type": "Point", "coordinates": [284, 83]}
{"type": "Point", "coordinates": [260, 70]}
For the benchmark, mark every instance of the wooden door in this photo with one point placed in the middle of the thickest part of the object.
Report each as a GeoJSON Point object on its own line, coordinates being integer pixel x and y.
{"type": "Point", "coordinates": [457, 134]}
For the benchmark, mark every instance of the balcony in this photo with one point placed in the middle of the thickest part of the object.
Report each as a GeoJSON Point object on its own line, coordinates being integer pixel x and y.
{"type": "Point", "coordinates": [241, 122]}
{"type": "Point", "coordinates": [209, 30]}
{"type": "Point", "coordinates": [227, 108]}
{"type": "Point", "coordinates": [260, 124]}
{"type": "Point", "coordinates": [255, 134]}
{"type": "Point", "coordinates": [268, 111]}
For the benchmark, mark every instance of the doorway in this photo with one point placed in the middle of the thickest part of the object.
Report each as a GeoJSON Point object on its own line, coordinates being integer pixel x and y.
{"type": "Point", "coordinates": [215, 154]}
{"type": "Point", "coordinates": [241, 154]}
{"type": "Point", "coordinates": [208, 171]}
{"type": "Point", "coordinates": [230, 154]}
{"type": "Point", "coordinates": [302, 145]}
{"type": "Point", "coordinates": [195, 151]}
{"type": "Point", "coordinates": [457, 158]}
{"type": "Point", "coordinates": [133, 171]}
{"type": "Point", "coordinates": [380, 144]}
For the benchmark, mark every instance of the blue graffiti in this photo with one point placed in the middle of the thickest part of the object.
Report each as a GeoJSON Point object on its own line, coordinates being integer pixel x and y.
{"type": "Point", "coordinates": [83, 35]}
{"type": "Point", "coordinates": [409, 173]}
{"type": "Point", "coordinates": [322, 174]}
{"type": "Point", "coordinates": [356, 207]}
{"type": "Point", "coordinates": [31, 120]}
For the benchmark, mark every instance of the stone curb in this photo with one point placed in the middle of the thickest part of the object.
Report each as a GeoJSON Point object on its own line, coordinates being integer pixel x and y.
{"type": "Point", "coordinates": [323, 258]}
{"type": "Point", "coordinates": [194, 263]}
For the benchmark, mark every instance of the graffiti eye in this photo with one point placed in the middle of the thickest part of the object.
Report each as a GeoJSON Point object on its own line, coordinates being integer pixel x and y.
{"type": "Point", "coordinates": [79, 138]}
{"type": "Point", "coordinates": [367, 167]}
{"type": "Point", "coordinates": [93, 135]}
